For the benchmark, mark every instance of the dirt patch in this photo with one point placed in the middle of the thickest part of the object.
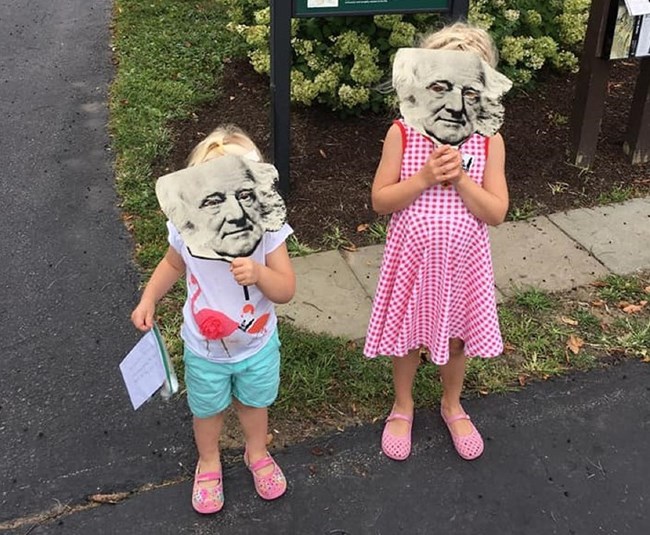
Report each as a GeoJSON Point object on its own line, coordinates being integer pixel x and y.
{"type": "Point", "coordinates": [287, 429]}
{"type": "Point", "coordinates": [333, 159]}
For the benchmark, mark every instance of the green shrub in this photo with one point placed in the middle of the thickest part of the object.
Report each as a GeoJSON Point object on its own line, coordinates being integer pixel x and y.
{"type": "Point", "coordinates": [342, 61]}
{"type": "Point", "coordinates": [533, 33]}
{"type": "Point", "coordinates": [338, 61]}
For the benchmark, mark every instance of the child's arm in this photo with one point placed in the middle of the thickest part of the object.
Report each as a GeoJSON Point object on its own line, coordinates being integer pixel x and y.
{"type": "Point", "coordinates": [490, 202]}
{"type": "Point", "coordinates": [167, 272]}
{"type": "Point", "coordinates": [389, 194]}
{"type": "Point", "coordinates": [276, 280]}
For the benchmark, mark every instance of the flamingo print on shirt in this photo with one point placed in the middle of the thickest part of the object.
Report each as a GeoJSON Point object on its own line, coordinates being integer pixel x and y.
{"type": "Point", "coordinates": [215, 325]}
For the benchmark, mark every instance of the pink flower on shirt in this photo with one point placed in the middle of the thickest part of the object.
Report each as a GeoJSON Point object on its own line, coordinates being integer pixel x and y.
{"type": "Point", "coordinates": [214, 325]}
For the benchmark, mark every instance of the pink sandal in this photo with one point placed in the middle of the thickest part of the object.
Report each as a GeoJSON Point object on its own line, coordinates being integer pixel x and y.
{"type": "Point", "coordinates": [470, 446]}
{"type": "Point", "coordinates": [207, 500]}
{"type": "Point", "coordinates": [270, 486]}
{"type": "Point", "coordinates": [394, 446]}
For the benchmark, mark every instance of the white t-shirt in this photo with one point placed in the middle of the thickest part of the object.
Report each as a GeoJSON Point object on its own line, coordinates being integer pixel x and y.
{"type": "Point", "coordinates": [239, 327]}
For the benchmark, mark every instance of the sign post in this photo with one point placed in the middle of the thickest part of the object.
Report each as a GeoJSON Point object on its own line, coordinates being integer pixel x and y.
{"type": "Point", "coordinates": [282, 11]}
{"type": "Point", "coordinates": [281, 89]}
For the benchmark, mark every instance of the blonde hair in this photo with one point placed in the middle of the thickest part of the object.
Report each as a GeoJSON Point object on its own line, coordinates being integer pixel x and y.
{"type": "Point", "coordinates": [464, 37]}
{"type": "Point", "coordinates": [223, 140]}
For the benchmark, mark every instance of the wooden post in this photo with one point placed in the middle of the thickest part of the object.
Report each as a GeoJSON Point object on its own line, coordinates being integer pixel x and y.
{"type": "Point", "coordinates": [591, 87]}
{"type": "Point", "coordinates": [637, 137]}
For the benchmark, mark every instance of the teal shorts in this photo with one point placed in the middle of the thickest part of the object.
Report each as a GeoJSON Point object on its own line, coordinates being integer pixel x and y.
{"type": "Point", "coordinates": [253, 381]}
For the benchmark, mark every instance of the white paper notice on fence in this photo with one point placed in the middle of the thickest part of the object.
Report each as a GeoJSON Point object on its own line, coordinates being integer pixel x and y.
{"type": "Point", "coordinates": [638, 7]}
{"type": "Point", "coordinates": [643, 42]}
{"type": "Point", "coordinates": [143, 369]}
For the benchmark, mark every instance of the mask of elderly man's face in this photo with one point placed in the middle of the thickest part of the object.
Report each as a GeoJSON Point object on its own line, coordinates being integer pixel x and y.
{"type": "Point", "coordinates": [447, 95]}
{"type": "Point", "coordinates": [222, 207]}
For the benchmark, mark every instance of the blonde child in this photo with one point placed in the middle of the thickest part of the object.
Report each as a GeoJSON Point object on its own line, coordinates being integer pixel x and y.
{"type": "Point", "coordinates": [436, 286]}
{"type": "Point", "coordinates": [244, 366]}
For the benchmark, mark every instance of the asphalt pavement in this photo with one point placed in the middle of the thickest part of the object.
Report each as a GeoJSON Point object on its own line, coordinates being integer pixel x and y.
{"type": "Point", "coordinates": [68, 281]}
{"type": "Point", "coordinates": [566, 457]}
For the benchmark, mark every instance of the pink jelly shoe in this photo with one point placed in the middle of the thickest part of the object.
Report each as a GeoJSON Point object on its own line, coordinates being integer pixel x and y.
{"type": "Point", "coordinates": [270, 486]}
{"type": "Point", "coordinates": [207, 500]}
{"type": "Point", "coordinates": [468, 446]}
{"type": "Point", "coordinates": [394, 446]}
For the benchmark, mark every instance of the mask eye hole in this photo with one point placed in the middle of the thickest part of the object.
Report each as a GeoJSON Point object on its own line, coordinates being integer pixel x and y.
{"type": "Point", "coordinates": [246, 196]}
{"type": "Point", "coordinates": [437, 87]}
{"type": "Point", "coordinates": [471, 95]}
{"type": "Point", "coordinates": [215, 199]}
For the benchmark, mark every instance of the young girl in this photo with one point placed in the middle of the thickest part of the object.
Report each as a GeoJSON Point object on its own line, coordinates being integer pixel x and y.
{"type": "Point", "coordinates": [245, 364]}
{"type": "Point", "coordinates": [436, 284]}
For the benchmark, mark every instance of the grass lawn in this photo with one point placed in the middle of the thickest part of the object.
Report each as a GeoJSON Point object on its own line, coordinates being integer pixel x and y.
{"type": "Point", "coordinates": [169, 56]}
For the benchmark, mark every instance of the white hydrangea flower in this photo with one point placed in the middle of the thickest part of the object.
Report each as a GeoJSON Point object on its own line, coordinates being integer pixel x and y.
{"type": "Point", "coordinates": [511, 14]}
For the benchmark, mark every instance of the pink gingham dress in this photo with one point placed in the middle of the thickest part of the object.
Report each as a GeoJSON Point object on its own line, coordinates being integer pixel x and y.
{"type": "Point", "coordinates": [436, 280]}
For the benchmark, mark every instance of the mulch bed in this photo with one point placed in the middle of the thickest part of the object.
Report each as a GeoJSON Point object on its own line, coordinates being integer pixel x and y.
{"type": "Point", "coordinates": [333, 159]}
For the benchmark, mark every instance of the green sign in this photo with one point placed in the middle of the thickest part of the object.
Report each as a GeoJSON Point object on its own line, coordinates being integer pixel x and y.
{"type": "Point", "coordinates": [316, 8]}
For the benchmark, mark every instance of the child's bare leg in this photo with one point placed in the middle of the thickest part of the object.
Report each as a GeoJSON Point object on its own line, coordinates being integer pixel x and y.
{"type": "Point", "coordinates": [404, 369]}
{"type": "Point", "coordinates": [255, 423]}
{"type": "Point", "coordinates": [206, 435]}
{"type": "Point", "coordinates": [453, 376]}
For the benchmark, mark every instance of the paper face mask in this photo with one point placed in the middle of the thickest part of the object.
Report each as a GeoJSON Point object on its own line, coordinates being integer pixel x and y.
{"type": "Point", "coordinates": [222, 207]}
{"type": "Point", "coordinates": [447, 95]}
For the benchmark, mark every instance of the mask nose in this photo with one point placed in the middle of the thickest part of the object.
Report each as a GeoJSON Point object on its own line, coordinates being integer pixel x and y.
{"type": "Point", "coordinates": [454, 104]}
{"type": "Point", "coordinates": [232, 209]}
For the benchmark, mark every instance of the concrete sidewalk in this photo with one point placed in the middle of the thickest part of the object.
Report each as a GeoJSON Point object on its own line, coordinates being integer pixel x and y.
{"type": "Point", "coordinates": [552, 253]}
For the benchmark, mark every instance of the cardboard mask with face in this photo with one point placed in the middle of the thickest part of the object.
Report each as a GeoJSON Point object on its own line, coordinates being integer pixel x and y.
{"type": "Point", "coordinates": [222, 207]}
{"type": "Point", "coordinates": [447, 95]}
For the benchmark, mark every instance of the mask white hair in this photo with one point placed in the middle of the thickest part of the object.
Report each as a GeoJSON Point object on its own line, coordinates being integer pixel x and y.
{"type": "Point", "coordinates": [172, 192]}
{"type": "Point", "coordinates": [414, 95]}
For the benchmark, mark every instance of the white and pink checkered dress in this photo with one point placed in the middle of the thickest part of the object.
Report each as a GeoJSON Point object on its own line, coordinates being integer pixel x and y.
{"type": "Point", "coordinates": [436, 280]}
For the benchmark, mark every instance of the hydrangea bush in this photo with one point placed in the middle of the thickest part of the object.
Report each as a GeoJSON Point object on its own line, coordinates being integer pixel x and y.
{"type": "Point", "coordinates": [533, 33]}
{"type": "Point", "coordinates": [343, 62]}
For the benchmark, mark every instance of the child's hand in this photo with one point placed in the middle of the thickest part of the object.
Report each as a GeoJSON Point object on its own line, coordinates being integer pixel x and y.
{"type": "Point", "coordinates": [142, 316]}
{"type": "Point", "coordinates": [245, 271]}
{"type": "Point", "coordinates": [444, 166]}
